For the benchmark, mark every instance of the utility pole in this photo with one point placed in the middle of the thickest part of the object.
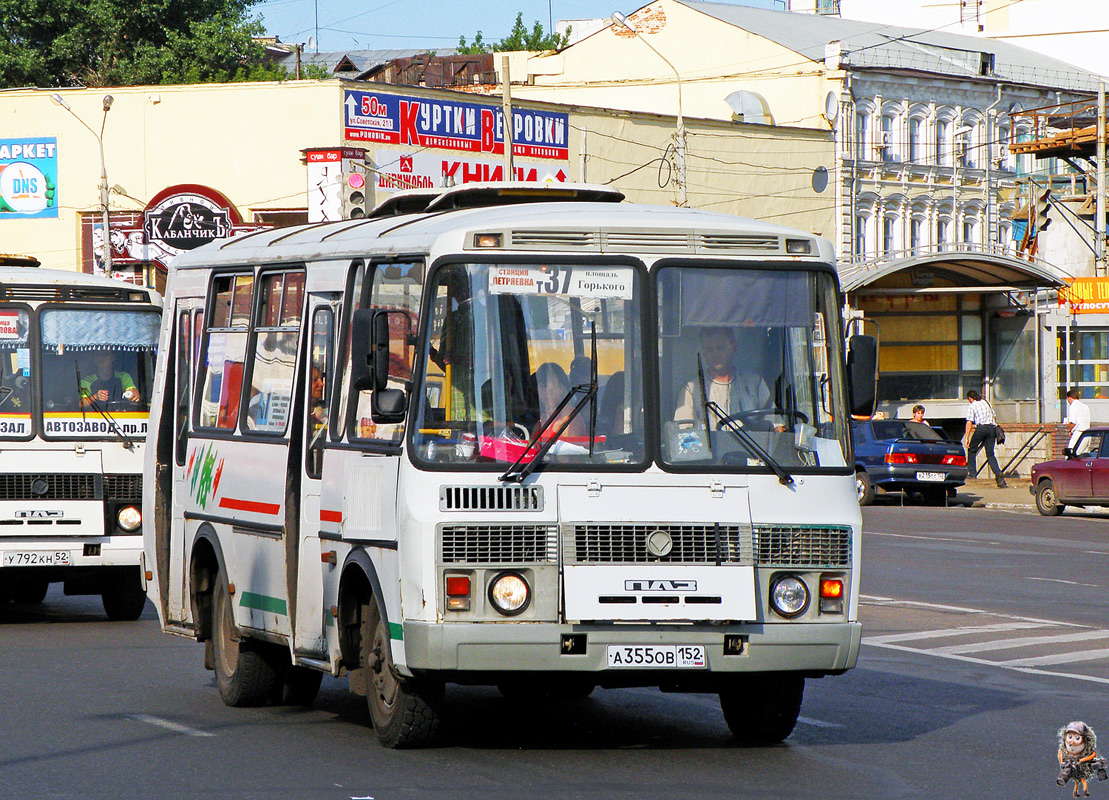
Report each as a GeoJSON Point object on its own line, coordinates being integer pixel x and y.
{"type": "Point", "coordinates": [1099, 220]}
{"type": "Point", "coordinates": [506, 91]}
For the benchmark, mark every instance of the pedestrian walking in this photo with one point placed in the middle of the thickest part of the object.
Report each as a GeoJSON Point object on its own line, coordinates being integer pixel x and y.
{"type": "Point", "coordinates": [981, 433]}
{"type": "Point", "coordinates": [1078, 417]}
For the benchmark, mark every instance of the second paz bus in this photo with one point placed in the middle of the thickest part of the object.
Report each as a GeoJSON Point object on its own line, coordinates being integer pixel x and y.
{"type": "Point", "coordinates": [523, 436]}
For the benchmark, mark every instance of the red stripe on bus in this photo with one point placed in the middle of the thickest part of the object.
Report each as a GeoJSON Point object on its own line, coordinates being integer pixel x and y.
{"type": "Point", "coordinates": [330, 516]}
{"type": "Point", "coordinates": [249, 505]}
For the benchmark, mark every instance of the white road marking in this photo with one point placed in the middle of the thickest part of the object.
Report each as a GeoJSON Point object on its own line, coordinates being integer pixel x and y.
{"type": "Point", "coordinates": [1008, 644]}
{"type": "Point", "coordinates": [944, 632]}
{"type": "Point", "coordinates": [1060, 580]}
{"type": "Point", "coordinates": [1057, 658]}
{"type": "Point", "coordinates": [169, 725]}
{"type": "Point", "coordinates": [1028, 666]}
{"type": "Point", "coordinates": [818, 723]}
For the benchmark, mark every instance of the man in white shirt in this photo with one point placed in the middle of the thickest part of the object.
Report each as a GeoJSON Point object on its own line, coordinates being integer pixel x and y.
{"type": "Point", "coordinates": [733, 389]}
{"type": "Point", "coordinates": [1078, 417]}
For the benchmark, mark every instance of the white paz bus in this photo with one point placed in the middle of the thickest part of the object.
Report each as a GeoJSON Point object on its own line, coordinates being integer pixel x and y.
{"type": "Point", "coordinates": [77, 359]}
{"type": "Point", "coordinates": [522, 436]}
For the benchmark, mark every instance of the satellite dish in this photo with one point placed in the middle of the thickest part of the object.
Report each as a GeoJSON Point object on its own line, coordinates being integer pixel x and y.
{"type": "Point", "coordinates": [831, 107]}
{"type": "Point", "coordinates": [749, 107]}
{"type": "Point", "coordinates": [310, 44]}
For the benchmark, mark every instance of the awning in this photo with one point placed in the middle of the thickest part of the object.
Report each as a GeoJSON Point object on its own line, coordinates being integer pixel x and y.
{"type": "Point", "coordinates": [960, 269]}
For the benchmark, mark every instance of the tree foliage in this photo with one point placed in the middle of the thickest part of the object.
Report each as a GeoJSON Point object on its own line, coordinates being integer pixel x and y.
{"type": "Point", "coordinates": [53, 43]}
{"type": "Point", "coordinates": [519, 38]}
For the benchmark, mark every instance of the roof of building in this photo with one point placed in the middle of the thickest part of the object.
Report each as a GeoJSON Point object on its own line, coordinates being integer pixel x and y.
{"type": "Point", "coordinates": [871, 45]}
{"type": "Point", "coordinates": [355, 63]}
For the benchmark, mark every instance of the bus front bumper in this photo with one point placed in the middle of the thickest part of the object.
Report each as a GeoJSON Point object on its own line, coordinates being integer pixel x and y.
{"type": "Point", "coordinates": [472, 648]}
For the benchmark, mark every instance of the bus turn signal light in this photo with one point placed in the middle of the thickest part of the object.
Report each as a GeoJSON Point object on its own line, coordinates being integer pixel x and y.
{"type": "Point", "coordinates": [458, 592]}
{"type": "Point", "coordinates": [831, 595]}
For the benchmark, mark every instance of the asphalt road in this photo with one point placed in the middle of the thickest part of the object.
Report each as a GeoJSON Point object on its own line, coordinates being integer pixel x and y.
{"type": "Point", "coordinates": [985, 631]}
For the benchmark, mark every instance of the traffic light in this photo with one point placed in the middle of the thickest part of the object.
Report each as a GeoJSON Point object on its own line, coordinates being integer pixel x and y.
{"type": "Point", "coordinates": [354, 191]}
{"type": "Point", "coordinates": [1043, 203]}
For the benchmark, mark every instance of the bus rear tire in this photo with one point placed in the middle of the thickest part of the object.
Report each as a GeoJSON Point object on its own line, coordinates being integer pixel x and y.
{"type": "Point", "coordinates": [404, 712]}
{"type": "Point", "coordinates": [125, 599]}
{"type": "Point", "coordinates": [244, 675]}
{"type": "Point", "coordinates": [761, 709]}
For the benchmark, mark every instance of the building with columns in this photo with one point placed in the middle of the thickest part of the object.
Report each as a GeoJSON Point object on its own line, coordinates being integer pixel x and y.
{"type": "Point", "coordinates": [928, 200]}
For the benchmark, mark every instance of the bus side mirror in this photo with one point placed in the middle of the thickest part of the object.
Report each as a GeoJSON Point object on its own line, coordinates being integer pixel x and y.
{"type": "Point", "coordinates": [361, 350]}
{"type": "Point", "coordinates": [862, 374]}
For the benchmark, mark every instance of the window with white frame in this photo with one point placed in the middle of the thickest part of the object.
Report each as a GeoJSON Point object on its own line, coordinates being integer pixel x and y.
{"type": "Point", "coordinates": [887, 138]}
{"type": "Point", "coordinates": [916, 141]}
{"type": "Point", "coordinates": [943, 142]}
{"type": "Point", "coordinates": [862, 130]}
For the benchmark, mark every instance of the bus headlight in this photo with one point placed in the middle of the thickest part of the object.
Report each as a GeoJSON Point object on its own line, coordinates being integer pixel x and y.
{"type": "Point", "coordinates": [789, 596]}
{"type": "Point", "coordinates": [509, 593]}
{"type": "Point", "coordinates": [129, 519]}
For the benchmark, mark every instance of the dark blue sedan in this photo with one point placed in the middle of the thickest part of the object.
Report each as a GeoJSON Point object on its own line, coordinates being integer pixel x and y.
{"type": "Point", "coordinates": [905, 456]}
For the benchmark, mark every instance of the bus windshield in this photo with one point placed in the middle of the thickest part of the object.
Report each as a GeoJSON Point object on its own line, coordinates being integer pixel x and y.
{"type": "Point", "coordinates": [744, 369]}
{"type": "Point", "coordinates": [509, 343]}
{"type": "Point", "coordinates": [97, 368]}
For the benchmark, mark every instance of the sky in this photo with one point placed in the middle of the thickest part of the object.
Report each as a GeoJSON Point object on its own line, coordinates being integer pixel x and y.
{"type": "Point", "coordinates": [388, 24]}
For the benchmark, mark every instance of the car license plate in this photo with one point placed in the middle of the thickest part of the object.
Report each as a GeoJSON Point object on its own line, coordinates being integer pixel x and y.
{"type": "Point", "coordinates": [930, 476]}
{"type": "Point", "coordinates": [37, 558]}
{"type": "Point", "coordinates": [665, 656]}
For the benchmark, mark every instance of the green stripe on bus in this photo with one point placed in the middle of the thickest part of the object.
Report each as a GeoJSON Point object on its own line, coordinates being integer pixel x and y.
{"type": "Point", "coordinates": [396, 631]}
{"type": "Point", "coordinates": [261, 602]}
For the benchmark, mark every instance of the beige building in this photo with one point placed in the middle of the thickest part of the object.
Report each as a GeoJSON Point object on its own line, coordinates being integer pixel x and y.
{"type": "Point", "coordinates": [185, 164]}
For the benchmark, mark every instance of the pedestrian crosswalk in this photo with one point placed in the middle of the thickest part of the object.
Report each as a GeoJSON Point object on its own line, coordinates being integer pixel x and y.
{"type": "Point", "coordinates": [1039, 646]}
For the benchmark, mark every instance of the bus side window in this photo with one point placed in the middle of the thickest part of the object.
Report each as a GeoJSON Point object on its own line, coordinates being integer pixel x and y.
{"type": "Point", "coordinates": [225, 351]}
{"type": "Point", "coordinates": [184, 373]}
{"type": "Point", "coordinates": [276, 333]}
{"type": "Point", "coordinates": [397, 287]}
{"type": "Point", "coordinates": [319, 389]}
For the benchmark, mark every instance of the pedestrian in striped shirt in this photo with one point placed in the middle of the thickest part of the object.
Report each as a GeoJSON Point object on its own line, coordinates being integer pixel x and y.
{"type": "Point", "coordinates": [981, 432]}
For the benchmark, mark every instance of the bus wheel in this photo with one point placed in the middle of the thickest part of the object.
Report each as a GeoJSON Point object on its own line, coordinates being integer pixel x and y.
{"type": "Point", "coordinates": [762, 709]}
{"type": "Point", "coordinates": [125, 599]}
{"type": "Point", "coordinates": [33, 591]}
{"type": "Point", "coordinates": [405, 712]}
{"type": "Point", "coordinates": [243, 674]}
{"type": "Point", "coordinates": [297, 686]}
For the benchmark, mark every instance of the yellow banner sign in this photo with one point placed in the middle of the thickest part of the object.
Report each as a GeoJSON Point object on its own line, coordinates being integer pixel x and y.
{"type": "Point", "coordinates": [1086, 296]}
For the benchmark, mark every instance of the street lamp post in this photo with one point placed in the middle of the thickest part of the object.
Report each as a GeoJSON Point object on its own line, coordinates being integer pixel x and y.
{"type": "Point", "coordinates": [106, 254]}
{"type": "Point", "coordinates": [621, 21]}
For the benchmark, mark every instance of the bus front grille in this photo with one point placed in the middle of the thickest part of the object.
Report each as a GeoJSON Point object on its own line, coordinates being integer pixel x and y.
{"type": "Point", "coordinates": [662, 544]}
{"type": "Point", "coordinates": [490, 498]}
{"type": "Point", "coordinates": [821, 546]}
{"type": "Point", "coordinates": [498, 544]}
{"type": "Point", "coordinates": [123, 487]}
{"type": "Point", "coordinates": [48, 486]}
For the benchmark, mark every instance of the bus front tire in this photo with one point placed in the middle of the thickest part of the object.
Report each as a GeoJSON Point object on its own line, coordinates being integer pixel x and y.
{"type": "Point", "coordinates": [125, 599]}
{"type": "Point", "coordinates": [244, 676]}
{"type": "Point", "coordinates": [32, 591]}
{"type": "Point", "coordinates": [404, 712]}
{"type": "Point", "coordinates": [761, 709]}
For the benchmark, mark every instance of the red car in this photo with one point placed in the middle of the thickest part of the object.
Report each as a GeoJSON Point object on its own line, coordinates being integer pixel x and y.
{"type": "Point", "coordinates": [1080, 478]}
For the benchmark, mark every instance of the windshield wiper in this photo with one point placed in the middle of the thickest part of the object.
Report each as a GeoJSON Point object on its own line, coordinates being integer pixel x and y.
{"type": "Point", "coordinates": [113, 425]}
{"type": "Point", "coordinates": [744, 437]}
{"type": "Point", "coordinates": [517, 471]}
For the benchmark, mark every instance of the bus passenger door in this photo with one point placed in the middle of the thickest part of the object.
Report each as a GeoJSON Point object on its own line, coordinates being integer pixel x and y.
{"type": "Point", "coordinates": [311, 619]}
{"type": "Point", "coordinates": [177, 607]}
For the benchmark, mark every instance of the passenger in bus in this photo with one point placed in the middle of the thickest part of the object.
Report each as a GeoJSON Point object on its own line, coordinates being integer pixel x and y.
{"type": "Point", "coordinates": [107, 383]}
{"type": "Point", "coordinates": [553, 385]}
{"type": "Point", "coordinates": [734, 389]}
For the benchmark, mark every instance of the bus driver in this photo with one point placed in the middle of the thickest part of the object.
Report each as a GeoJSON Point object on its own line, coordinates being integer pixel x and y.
{"type": "Point", "coordinates": [106, 383]}
{"type": "Point", "coordinates": [733, 389]}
